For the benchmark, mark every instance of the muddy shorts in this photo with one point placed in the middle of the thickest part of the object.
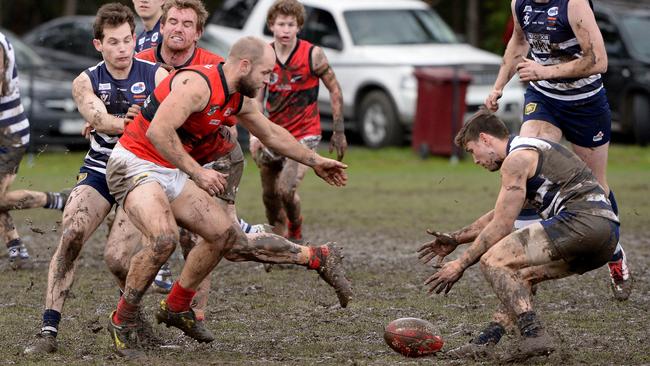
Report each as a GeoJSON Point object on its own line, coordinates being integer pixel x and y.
{"type": "Point", "coordinates": [268, 156]}
{"type": "Point", "coordinates": [125, 171]}
{"type": "Point", "coordinates": [585, 122]}
{"type": "Point", "coordinates": [96, 180]}
{"type": "Point", "coordinates": [233, 165]}
{"type": "Point", "coordinates": [584, 241]}
{"type": "Point", "coordinates": [10, 154]}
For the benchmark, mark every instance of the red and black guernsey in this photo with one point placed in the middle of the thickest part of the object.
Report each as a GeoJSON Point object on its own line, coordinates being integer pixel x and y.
{"type": "Point", "coordinates": [200, 133]}
{"type": "Point", "coordinates": [293, 93]}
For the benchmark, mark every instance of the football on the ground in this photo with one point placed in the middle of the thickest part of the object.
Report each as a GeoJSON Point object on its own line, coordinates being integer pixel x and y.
{"type": "Point", "coordinates": [413, 337]}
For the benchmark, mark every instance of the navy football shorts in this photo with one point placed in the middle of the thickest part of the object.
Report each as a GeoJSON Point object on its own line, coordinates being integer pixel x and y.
{"type": "Point", "coordinates": [97, 180]}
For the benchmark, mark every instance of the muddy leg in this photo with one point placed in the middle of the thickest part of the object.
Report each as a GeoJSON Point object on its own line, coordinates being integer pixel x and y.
{"type": "Point", "coordinates": [123, 242]}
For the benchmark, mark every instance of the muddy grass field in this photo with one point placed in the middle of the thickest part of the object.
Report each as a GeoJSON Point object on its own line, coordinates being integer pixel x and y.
{"type": "Point", "coordinates": [290, 317]}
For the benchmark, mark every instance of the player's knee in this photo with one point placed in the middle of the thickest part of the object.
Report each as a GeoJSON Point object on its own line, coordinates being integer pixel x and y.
{"type": "Point", "coordinates": [163, 245]}
{"type": "Point", "coordinates": [228, 239]}
{"type": "Point", "coordinates": [72, 241]}
{"type": "Point", "coordinates": [116, 264]}
{"type": "Point", "coordinates": [241, 245]}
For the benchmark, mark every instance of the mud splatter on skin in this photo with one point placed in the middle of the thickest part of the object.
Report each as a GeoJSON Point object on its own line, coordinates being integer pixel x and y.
{"type": "Point", "coordinates": [132, 295]}
{"type": "Point", "coordinates": [265, 248]}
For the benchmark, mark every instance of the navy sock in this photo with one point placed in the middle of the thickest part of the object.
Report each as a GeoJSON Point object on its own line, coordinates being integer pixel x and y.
{"type": "Point", "coordinates": [491, 334]}
{"type": "Point", "coordinates": [13, 243]}
{"type": "Point", "coordinates": [612, 200]}
{"type": "Point", "coordinates": [51, 319]}
{"type": "Point", "coordinates": [54, 200]}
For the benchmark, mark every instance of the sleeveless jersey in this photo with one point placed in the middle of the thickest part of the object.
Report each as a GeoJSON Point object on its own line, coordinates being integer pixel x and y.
{"type": "Point", "coordinates": [552, 41]}
{"type": "Point", "coordinates": [117, 96]}
{"type": "Point", "coordinates": [199, 134]}
{"type": "Point", "coordinates": [292, 99]}
{"type": "Point", "coordinates": [562, 181]}
{"type": "Point", "coordinates": [13, 120]}
{"type": "Point", "coordinates": [148, 39]}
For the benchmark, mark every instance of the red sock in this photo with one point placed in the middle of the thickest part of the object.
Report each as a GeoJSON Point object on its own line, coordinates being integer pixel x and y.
{"type": "Point", "coordinates": [126, 313]}
{"type": "Point", "coordinates": [179, 298]}
{"type": "Point", "coordinates": [317, 256]}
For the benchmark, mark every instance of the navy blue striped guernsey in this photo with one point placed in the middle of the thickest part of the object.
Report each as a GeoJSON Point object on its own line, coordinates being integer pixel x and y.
{"type": "Point", "coordinates": [562, 182]}
{"type": "Point", "coordinates": [117, 95]}
{"type": "Point", "coordinates": [13, 120]}
{"type": "Point", "coordinates": [552, 42]}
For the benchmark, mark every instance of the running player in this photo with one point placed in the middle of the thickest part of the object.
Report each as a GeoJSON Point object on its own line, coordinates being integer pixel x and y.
{"type": "Point", "coordinates": [148, 173]}
{"type": "Point", "coordinates": [291, 102]}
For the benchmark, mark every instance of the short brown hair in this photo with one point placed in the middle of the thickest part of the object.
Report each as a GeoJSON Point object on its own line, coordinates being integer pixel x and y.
{"type": "Point", "coordinates": [196, 5]}
{"type": "Point", "coordinates": [112, 15]}
{"type": "Point", "coordinates": [482, 121]}
{"type": "Point", "coordinates": [287, 8]}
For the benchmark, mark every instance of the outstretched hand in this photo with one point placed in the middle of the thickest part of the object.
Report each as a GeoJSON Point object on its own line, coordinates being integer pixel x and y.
{"type": "Point", "coordinates": [331, 171]}
{"type": "Point", "coordinates": [443, 245]}
{"type": "Point", "coordinates": [339, 143]}
{"type": "Point", "coordinates": [445, 277]}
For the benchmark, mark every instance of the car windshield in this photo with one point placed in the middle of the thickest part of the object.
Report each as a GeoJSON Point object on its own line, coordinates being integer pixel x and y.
{"type": "Point", "coordinates": [394, 27]}
{"type": "Point", "coordinates": [637, 27]}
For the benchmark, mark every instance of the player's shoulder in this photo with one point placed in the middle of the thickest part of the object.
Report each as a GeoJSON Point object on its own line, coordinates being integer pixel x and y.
{"type": "Point", "coordinates": [147, 55]}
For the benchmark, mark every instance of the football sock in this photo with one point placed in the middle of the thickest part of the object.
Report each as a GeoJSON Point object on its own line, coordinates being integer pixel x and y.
{"type": "Point", "coordinates": [126, 313]}
{"type": "Point", "coordinates": [51, 319]}
{"type": "Point", "coordinates": [13, 243]}
{"type": "Point", "coordinates": [612, 201]}
{"type": "Point", "coordinates": [317, 256]}
{"type": "Point", "coordinates": [529, 325]}
{"type": "Point", "coordinates": [491, 334]}
{"type": "Point", "coordinates": [618, 252]}
{"type": "Point", "coordinates": [54, 201]}
{"type": "Point", "coordinates": [179, 298]}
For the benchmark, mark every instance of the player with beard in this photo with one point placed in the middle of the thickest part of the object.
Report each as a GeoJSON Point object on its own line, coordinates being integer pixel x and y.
{"type": "Point", "coordinates": [154, 173]}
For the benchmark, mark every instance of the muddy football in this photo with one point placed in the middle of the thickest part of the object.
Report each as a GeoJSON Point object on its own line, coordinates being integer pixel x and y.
{"type": "Point", "coordinates": [413, 337]}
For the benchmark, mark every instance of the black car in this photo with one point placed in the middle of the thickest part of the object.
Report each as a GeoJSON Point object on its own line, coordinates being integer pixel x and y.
{"type": "Point", "coordinates": [68, 42]}
{"type": "Point", "coordinates": [46, 94]}
{"type": "Point", "coordinates": [624, 26]}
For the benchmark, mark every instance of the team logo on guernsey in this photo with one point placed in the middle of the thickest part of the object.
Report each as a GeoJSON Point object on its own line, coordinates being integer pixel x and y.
{"type": "Point", "coordinates": [138, 88]}
{"type": "Point", "coordinates": [528, 8]}
{"type": "Point", "coordinates": [274, 78]}
{"type": "Point", "coordinates": [553, 11]}
{"type": "Point", "coordinates": [213, 109]}
{"type": "Point", "coordinates": [154, 37]}
{"type": "Point", "coordinates": [530, 108]}
{"type": "Point", "coordinates": [105, 96]}
{"type": "Point", "coordinates": [81, 177]}
{"type": "Point", "coordinates": [227, 112]}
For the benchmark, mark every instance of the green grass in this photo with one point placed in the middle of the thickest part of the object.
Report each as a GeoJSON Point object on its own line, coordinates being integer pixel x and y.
{"type": "Point", "coordinates": [286, 316]}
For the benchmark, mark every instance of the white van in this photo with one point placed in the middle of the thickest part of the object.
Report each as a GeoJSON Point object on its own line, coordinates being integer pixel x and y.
{"type": "Point", "coordinates": [374, 47]}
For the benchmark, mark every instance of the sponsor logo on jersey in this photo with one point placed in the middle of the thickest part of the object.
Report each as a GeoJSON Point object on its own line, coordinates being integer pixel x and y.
{"type": "Point", "coordinates": [215, 122]}
{"type": "Point", "coordinates": [528, 8]}
{"type": "Point", "coordinates": [530, 108]}
{"type": "Point", "coordinates": [104, 86]}
{"type": "Point", "coordinates": [295, 78]}
{"type": "Point", "coordinates": [154, 37]}
{"type": "Point", "coordinates": [227, 112]}
{"type": "Point", "coordinates": [138, 87]}
{"type": "Point", "coordinates": [553, 11]}
{"type": "Point", "coordinates": [599, 136]}
{"type": "Point", "coordinates": [273, 79]}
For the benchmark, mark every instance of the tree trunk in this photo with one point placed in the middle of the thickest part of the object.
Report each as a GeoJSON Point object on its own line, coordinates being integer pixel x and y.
{"type": "Point", "coordinates": [473, 29]}
{"type": "Point", "coordinates": [70, 7]}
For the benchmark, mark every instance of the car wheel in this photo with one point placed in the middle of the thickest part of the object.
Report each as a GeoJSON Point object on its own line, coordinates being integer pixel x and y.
{"type": "Point", "coordinates": [641, 119]}
{"type": "Point", "coordinates": [378, 124]}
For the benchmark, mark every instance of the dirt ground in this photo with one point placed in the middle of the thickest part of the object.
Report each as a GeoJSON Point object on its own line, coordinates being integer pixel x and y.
{"type": "Point", "coordinates": [291, 317]}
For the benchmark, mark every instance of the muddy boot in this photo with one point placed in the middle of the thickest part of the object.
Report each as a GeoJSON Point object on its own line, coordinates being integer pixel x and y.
{"type": "Point", "coordinates": [620, 276]}
{"type": "Point", "coordinates": [126, 339]}
{"type": "Point", "coordinates": [185, 321]}
{"type": "Point", "coordinates": [540, 345]}
{"type": "Point", "coordinates": [480, 347]}
{"type": "Point", "coordinates": [331, 270]}
{"type": "Point", "coordinates": [45, 343]}
{"type": "Point", "coordinates": [18, 255]}
{"type": "Point", "coordinates": [148, 336]}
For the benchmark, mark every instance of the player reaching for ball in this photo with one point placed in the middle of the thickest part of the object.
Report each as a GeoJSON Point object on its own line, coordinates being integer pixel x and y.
{"type": "Point", "coordinates": [578, 233]}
